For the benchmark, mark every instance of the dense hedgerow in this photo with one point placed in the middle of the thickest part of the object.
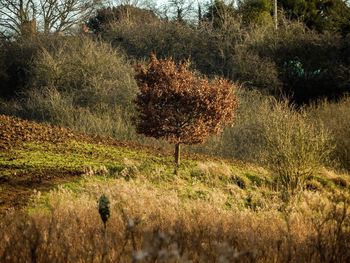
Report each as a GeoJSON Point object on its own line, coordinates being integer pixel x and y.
{"type": "Point", "coordinates": [81, 84]}
{"type": "Point", "coordinates": [295, 61]}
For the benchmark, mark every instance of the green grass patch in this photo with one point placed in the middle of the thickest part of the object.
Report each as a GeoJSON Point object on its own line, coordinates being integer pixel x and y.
{"type": "Point", "coordinates": [228, 184]}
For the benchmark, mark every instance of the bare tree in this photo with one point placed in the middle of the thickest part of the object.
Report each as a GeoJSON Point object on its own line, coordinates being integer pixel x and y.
{"type": "Point", "coordinates": [17, 16]}
{"type": "Point", "coordinates": [179, 10]}
{"type": "Point", "coordinates": [147, 4]}
{"type": "Point", "coordinates": [14, 13]}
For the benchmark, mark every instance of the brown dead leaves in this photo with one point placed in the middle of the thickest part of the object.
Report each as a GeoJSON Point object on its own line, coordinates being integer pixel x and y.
{"type": "Point", "coordinates": [15, 131]}
{"type": "Point", "coordinates": [179, 106]}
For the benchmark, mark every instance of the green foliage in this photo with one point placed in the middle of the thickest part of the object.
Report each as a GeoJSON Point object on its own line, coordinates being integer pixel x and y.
{"type": "Point", "coordinates": [256, 179]}
{"type": "Point", "coordinates": [253, 201]}
{"type": "Point", "coordinates": [322, 15]}
{"type": "Point", "coordinates": [241, 181]}
{"type": "Point", "coordinates": [256, 12]}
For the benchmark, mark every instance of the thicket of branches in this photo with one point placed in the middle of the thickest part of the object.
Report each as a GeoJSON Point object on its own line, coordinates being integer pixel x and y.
{"type": "Point", "coordinates": [305, 61]}
{"type": "Point", "coordinates": [241, 44]}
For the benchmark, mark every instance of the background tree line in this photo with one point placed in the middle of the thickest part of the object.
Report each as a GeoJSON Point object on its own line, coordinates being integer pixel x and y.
{"type": "Point", "coordinates": [307, 58]}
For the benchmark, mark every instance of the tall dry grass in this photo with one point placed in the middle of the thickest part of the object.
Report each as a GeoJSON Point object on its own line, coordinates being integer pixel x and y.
{"type": "Point", "coordinates": [151, 225]}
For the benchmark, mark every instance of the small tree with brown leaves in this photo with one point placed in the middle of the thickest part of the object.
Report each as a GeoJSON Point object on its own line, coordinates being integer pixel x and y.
{"type": "Point", "coordinates": [176, 105]}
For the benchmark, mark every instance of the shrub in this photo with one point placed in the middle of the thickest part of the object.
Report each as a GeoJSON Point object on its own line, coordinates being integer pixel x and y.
{"type": "Point", "coordinates": [16, 59]}
{"type": "Point", "coordinates": [295, 149]}
{"type": "Point", "coordinates": [211, 51]}
{"type": "Point", "coordinates": [105, 17]}
{"type": "Point", "coordinates": [256, 71]}
{"type": "Point", "coordinates": [335, 117]}
{"type": "Point", "coordinates": [309, 65]}
{"type": "Point", "coordinates": [95, 75]}
{"type": "Point", "coordinates": [50, 105]}
{"type": "Point", "coordinates": [273, 134]}
{"type": "Point", "coordinates": [244, 140]}
{"type": "Point", "coordinates": [81, 84]}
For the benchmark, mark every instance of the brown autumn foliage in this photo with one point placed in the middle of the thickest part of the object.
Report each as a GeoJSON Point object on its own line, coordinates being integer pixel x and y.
{"type": "Point", "coordinates": [176, 105]}
{"type": "Point", "coordinates": [16, 131]}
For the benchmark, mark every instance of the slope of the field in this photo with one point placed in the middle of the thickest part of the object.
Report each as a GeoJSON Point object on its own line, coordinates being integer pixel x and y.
{"type": "Point", "coordinates": [39, 156]}
{"type": "Point", "coordinates": [212, 211]}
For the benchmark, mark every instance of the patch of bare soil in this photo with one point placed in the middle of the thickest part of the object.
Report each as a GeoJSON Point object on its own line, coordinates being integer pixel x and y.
{"type": "Point", "coordinates": [16, 190]}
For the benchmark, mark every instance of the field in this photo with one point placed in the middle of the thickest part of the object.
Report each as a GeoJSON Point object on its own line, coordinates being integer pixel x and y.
{"type": "Point", "coordinates": [214, 210]}
{"type": "Point", "coordinates": [187, 131]}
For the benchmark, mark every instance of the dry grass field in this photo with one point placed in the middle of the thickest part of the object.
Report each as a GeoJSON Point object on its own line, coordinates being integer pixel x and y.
{"type": "Point", "coordinates": [214, 210]}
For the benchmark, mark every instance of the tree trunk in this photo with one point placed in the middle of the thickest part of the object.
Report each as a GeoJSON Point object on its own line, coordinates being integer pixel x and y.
{"type": "Point", "coordinates": [177, 157]}
{"type": "Point", "coordinates": [275, 14]}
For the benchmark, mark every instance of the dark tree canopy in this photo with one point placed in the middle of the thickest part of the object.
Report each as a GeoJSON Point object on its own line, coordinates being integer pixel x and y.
{"type": "Point", "coordinates": [109, 15]}
{"type": "Point", "coordinates": [256, 11]}
{"type": "Point", "coordinates": [176, 105]}
{"type": "Point", "coordinates": [332, 15]}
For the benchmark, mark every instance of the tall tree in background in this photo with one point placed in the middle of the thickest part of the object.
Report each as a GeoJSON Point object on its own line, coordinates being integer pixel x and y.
{"type": "Point", "coordinates": [178, 10]}
{"type": "Point", "coordinates": [332, 15]}
{"type": "Point", "coordinates": [256, 11]}
{"type": "Point", "coordinates": [19, 16]}
{"type": "Point", "coordinates": [105, 17]}
{"type": "Point", "coordinates": [176, 105]}
{"type": "Point", "coordinates": [218, 13]}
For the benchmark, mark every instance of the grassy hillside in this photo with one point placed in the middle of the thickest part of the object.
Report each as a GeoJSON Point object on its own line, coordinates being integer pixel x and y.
{"type": "Point", "coordinates": [215, 210]}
